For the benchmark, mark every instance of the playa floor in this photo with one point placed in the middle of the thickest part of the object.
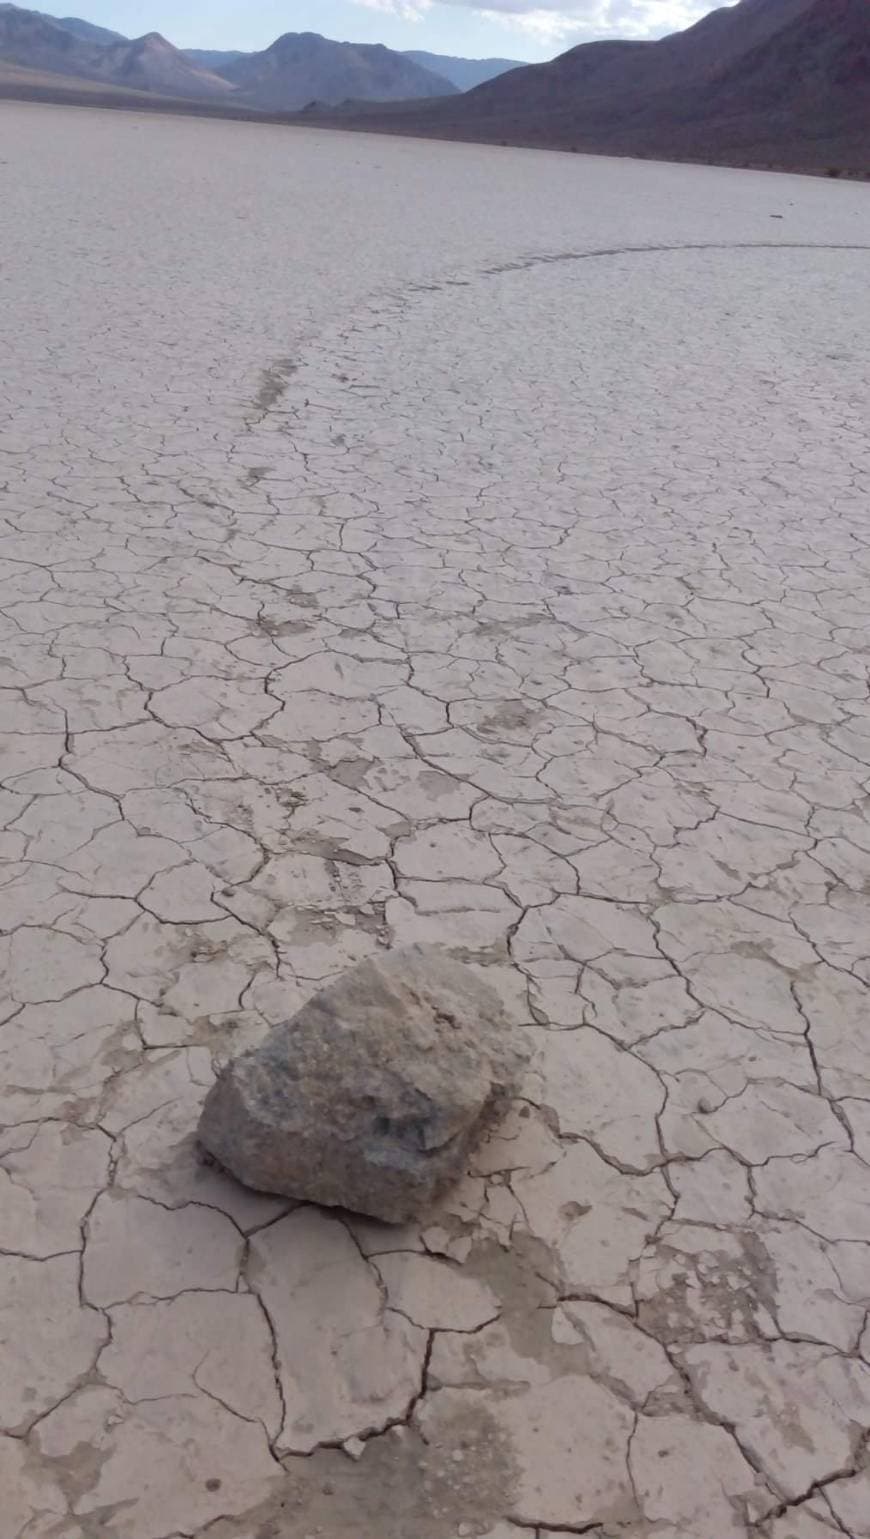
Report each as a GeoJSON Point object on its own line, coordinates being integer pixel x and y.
{"type": "Point", "coordinates": [412, 542]}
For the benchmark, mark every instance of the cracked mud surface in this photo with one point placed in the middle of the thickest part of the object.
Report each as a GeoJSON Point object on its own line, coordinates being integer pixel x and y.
{"type": "Point", "coordinates": [500, 581]}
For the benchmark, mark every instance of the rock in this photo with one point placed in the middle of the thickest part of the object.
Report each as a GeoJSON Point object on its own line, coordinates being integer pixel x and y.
{"type": "Point", "coordinates": [372, 1097]}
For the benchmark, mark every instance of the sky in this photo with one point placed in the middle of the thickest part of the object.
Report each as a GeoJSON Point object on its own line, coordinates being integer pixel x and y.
{"type": "Point", "coordinates": [514, 29]}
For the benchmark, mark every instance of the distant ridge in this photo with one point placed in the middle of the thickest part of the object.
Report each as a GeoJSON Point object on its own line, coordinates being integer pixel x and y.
{"type": "Point", "coordinates": [88, 31]}
{"type": "Point", "coordinates": [213, 58]}
{"type": "Point", "coordinates": [465, 74]}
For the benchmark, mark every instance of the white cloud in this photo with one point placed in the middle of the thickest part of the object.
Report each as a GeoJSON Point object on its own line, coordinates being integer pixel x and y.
{"type": "Point", "coordinates": [572, 21]}
{"type": "Point", "coordinates": [406, 10]}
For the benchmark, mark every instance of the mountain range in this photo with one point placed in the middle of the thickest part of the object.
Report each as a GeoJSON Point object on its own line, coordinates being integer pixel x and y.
{"type": "Point", "coordinates": [302, 66]}
{"type": "Point", "coordinates": [464, 74]}
{"type": "Point", "coordinates": [296, 70]}
{"type": "Point", "coordinates": [32, 41]}
{"type": "Point", "coordinates": [783, 83]}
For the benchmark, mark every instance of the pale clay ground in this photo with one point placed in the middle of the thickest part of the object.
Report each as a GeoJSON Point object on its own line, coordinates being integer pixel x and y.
{"type": "Point", "coordinates": [413, 542]}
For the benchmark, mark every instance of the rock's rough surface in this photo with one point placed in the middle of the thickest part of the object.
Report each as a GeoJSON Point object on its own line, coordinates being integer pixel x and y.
{"type": "Point", "coordinates": [372, 1097]}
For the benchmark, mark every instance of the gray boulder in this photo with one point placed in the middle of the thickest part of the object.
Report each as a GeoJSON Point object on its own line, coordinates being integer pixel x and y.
{"type": "Point", "coordinates": [372, 1097]}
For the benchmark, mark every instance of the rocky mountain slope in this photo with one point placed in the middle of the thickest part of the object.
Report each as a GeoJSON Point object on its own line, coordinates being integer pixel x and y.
{"type": "Point", "coordinates": [152, 64]}
{"type": "Point", "coordinates": [33, 41]}
{"type": "Point", "coordinates": [623, 75]}
{"type": "Point", "coordinates": [808, 85]}
{"type": "Point", "coordinates": [779, 82]}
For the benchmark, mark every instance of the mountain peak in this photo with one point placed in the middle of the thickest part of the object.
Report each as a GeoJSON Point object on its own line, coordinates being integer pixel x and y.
{"type": "Point", "coordinates": [300, 67]}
